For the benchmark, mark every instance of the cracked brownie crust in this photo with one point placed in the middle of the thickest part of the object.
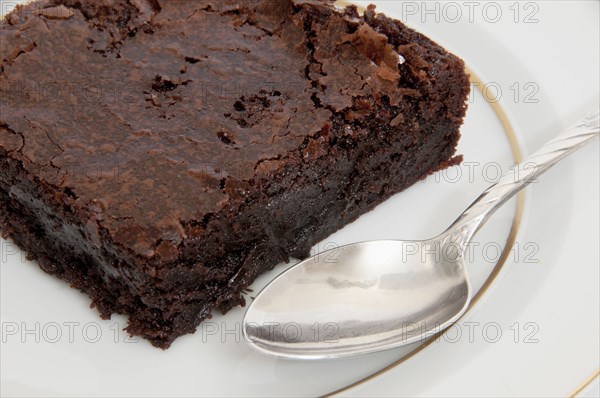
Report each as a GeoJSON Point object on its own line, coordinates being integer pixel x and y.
{"type": "Point", "coordinates": [159, 155]}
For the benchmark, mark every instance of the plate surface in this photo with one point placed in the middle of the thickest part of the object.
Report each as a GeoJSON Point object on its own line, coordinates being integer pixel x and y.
{"type": "Point", "coordinates": [53, 344]}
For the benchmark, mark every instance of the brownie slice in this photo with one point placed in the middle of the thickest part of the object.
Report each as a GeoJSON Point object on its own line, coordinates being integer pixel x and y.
{"type": "Point", "coordinates": [159, 155]}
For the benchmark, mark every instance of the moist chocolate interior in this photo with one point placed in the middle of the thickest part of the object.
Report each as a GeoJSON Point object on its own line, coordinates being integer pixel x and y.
{"type": "Point", "coordinates": [159, 155]}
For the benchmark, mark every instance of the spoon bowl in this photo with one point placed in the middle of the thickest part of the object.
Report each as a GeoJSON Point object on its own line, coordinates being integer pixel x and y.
{"type": "Point", "coordinates": [397, 292]}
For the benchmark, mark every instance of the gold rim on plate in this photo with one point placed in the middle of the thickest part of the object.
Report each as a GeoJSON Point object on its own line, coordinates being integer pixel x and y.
{"type": "Point", "coordinates": [584, 384]}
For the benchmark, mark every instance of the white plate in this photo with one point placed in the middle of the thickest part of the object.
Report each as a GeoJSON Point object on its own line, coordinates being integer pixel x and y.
{"type": "Point", "coordinates": [54, 345]}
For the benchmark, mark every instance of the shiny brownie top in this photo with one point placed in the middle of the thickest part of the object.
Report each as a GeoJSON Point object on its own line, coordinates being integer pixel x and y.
{"type": "Point", "coordinates": [149, 114]}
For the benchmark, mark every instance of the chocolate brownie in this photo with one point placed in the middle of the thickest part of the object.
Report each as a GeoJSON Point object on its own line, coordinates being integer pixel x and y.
{"type": "Point", "coordinates": [159, 155]}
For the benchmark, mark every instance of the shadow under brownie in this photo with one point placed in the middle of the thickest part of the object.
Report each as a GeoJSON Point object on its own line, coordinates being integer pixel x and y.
{"type": "Point", "coordinates": [159, 155]}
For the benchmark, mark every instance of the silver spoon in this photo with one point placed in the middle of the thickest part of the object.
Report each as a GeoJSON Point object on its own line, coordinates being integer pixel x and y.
{"type": "Point", "coordinates": [372, 296]}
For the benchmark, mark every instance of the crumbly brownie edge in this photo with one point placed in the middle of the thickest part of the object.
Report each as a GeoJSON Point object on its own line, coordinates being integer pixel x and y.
{"type": "Point", "coordinates": [112, 295]}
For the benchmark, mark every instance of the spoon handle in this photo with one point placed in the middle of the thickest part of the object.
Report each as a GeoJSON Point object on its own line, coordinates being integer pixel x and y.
{"type": "Point", "coordinates": [463, 229]}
